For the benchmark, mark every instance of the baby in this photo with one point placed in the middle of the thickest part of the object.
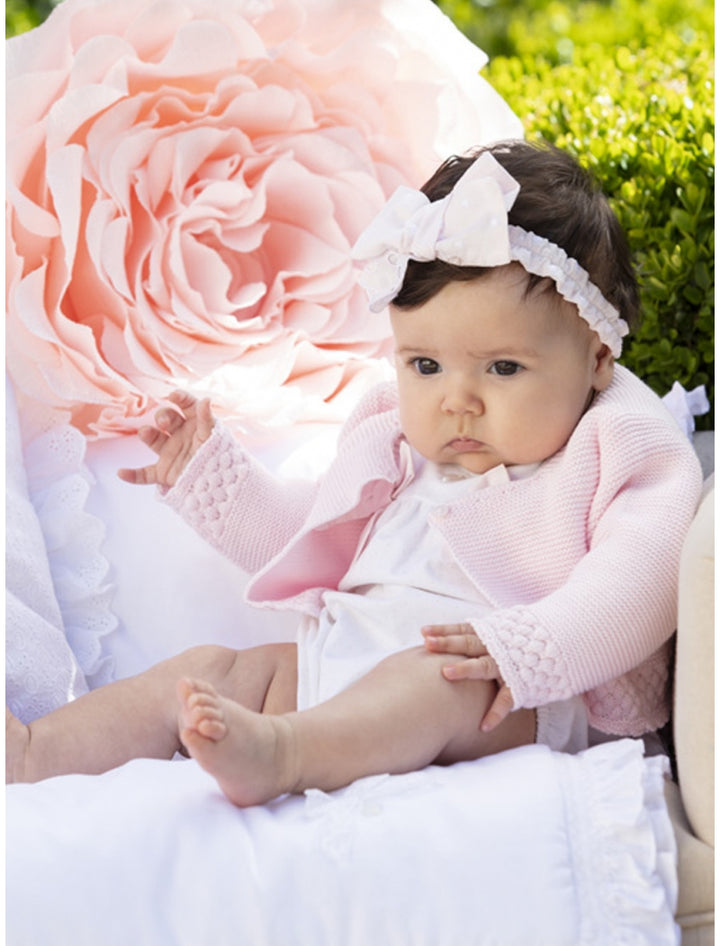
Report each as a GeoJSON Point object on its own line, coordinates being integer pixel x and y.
{"type": "Point", "coordinates": [491, 559]}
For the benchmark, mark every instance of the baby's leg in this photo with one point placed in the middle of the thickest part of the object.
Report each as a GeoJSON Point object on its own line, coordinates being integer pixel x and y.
{"type": "Point", "coordinates": [402, 716]}
{"type": "Point", "coordinates": [137, 717]}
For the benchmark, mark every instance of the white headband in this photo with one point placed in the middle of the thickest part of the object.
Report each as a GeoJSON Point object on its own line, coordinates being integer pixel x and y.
{"type": "Point", "coordinates": [469, 227]}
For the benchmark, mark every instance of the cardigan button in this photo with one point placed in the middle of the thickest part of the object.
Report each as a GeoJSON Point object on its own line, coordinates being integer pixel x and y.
{"type": "Point", "coordinates": [442, 512]}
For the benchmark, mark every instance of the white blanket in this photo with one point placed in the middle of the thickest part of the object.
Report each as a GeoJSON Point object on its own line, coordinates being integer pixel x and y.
{"type": "Point", "coordinates": [530, 848]}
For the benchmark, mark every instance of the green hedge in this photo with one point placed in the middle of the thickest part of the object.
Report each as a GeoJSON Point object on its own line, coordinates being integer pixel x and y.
{"type": "Point", "coordinates": [23, 15]}
{"type": "Point", "coordinates": [628, 88]}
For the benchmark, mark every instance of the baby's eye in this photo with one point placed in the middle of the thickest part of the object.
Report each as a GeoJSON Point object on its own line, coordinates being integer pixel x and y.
{"type": "Point", "coordinates": [505, 369]}
{"type": "Point", "coordinates": [425, 365]}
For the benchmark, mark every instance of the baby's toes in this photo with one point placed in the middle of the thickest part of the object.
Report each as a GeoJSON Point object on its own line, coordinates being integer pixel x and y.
{"type": "Point", "coordinates": [200, 708]}
{"type": "Point", "coordinates": [211, 726]}
{"type": "Point", "coordinates": [196, 693]}
{"type": "Point", "coordinates": [202, 701]}
{"type": "Point", "coordinates": [203, 717]}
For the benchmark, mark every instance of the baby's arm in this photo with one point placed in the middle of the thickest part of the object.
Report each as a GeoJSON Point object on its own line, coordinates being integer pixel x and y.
{"type": "Point", "coordinates": [618, 605]}
{"type": "Point", "coordinates": [178, 436]}
{"type": "Point", "coordinates": [243, 509]}
{"type": "Point", "coordinates": [229, 499]}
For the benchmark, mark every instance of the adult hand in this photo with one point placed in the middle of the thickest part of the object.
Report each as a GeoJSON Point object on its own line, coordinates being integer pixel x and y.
{"type": "Point", "coordinates": [177, 436]}
{"type": "Point", "coordinates": [462, 640]}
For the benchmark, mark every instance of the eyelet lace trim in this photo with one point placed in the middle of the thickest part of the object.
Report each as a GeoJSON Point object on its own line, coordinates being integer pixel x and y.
{"type": "Point", "coordinates": [58, 597]}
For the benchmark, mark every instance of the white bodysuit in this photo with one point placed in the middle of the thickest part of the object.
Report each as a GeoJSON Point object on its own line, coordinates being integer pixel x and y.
{"type": "Point", "coordinates": [404, 577]}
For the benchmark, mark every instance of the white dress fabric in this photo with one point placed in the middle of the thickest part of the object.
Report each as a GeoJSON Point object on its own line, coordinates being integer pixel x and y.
{"type": "Point", "coordinates": [404, 577]}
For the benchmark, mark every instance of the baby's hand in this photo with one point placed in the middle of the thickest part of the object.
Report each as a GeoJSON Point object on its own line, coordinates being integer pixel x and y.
{"type": "Point", "coordinates": [176, 438]}
{"type": "Point", "coordinates": [461, 639]}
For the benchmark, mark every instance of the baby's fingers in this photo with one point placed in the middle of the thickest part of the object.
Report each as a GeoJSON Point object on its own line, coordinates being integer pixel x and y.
{"type": "Point", "coordinates": [182, 399]}
{"type": "Point", "coordinates": [153, 437]}
{"type": "Point", "coordinates": [170, 420]}
{"type": "Point", "coordinates": [143, 476]}
{"type": "Point", "coordinates": [453, 639]}
{"type": "Point", "coordinates": [448, 630]}
{"type": "Point", "coordinates": [146, 475]}
{"type": "Point", "coordinates": [477, 668]}
{"type": "Point", "coordinates": [502, 706]}
{"type": "Point", "coordinates": [205, 420]}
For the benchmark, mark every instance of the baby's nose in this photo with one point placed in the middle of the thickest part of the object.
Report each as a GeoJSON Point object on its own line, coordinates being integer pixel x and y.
{"type": "Point", "coordinates": [462, 398]}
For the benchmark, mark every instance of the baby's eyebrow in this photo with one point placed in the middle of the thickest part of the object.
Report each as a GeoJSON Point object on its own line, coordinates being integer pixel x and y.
{"type": "Point", "coordinates": [495, 354]}
{"type": "Point", "coordinates": [509, 352]}
{"type": "Point", "coordinates": [416, 350]}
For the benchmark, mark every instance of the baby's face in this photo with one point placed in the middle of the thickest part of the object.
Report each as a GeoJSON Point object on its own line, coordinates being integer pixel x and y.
{"type": "Point", "coordinates": [488, 376]}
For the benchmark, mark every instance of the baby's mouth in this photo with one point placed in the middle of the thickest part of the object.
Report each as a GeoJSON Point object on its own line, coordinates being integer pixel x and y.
{"type": "Point", "coordinates": [465, 444]}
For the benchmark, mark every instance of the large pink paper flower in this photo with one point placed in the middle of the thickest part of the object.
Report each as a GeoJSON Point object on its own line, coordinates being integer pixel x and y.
{"type": "Point", "coordinates": [186, 180]}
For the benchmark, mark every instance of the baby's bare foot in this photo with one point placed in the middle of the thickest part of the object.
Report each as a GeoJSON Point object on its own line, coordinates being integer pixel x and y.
{"type": "Point", "coordinates": [17, 742]}
{"type": "Point", "coordinates": [250, 754]}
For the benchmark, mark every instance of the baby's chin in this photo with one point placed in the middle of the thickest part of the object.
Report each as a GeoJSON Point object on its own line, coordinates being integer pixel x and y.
{"type": "Point", "coordinates": [474, 461]}
{"type": "Point", "coordinates": [479, 465]}
{"type": "Point", "coordinates": [482, 461]}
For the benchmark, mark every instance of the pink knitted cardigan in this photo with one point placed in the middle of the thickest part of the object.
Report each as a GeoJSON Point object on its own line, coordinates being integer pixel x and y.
{"type": "Point", "coordinates": [580, 561]}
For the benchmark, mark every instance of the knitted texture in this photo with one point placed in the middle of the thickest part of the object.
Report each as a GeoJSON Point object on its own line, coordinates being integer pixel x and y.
{"type": "Point", "coordinates": [236, 505]}
{"type": "Point", "coordinates": [580, 561]}
{"type": "Point", "coordinates": [628, 697]}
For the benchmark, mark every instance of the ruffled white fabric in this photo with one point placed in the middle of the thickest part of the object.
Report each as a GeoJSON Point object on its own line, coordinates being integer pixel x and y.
{"type": "Point", "coordinates": [526, 848]}
{"type": "Point", "coordinates": [685, 406]}
{"type": "Point", "coordinates": [543, 258]}
{"type": "Point", "coordinates": [469, 227]}
{"type": "Point", "coordinates": [58, 600]}
{"type": "Point", "coordinates": [626, 880]}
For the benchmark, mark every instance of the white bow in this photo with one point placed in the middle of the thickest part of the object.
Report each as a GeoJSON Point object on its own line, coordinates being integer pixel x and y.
{"type": "Point", "coordinates": [468, 227]}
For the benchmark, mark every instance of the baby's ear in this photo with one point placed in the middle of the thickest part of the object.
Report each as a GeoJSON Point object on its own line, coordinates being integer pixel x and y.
{"type": "Point", "coordinates": [604, 368]}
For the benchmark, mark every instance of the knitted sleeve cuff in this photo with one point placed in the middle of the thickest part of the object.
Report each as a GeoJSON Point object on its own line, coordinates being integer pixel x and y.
{"type": "Point", "coordinates": [530, 662]}
{"type": "Point", "coordinates": [210, 479]}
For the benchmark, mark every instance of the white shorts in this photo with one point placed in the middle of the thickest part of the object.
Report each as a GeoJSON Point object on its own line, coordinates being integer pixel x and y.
{"type": "Point", "coordinates": [563, 726]}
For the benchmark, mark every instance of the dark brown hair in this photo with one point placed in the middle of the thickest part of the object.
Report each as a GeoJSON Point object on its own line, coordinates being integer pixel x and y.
{"type": "Point", "coordinates": [558, 200]}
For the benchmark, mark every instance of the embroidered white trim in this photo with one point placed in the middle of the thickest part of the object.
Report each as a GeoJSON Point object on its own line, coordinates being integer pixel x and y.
{"type": "Point", "coordinates": [469, 227]}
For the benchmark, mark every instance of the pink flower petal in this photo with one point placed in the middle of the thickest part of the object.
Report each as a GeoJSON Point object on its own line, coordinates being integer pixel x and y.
{"type": "Point", "coordinates": [63, 173]}
{"type": "Point", "coordinates": [205, 47]}
{"type": "Point", "coordinates": [38, 222]}
{"type": "Point", "coordinates": [95, 61]}
{"type": "Point", "coordinates": [186, 180]}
